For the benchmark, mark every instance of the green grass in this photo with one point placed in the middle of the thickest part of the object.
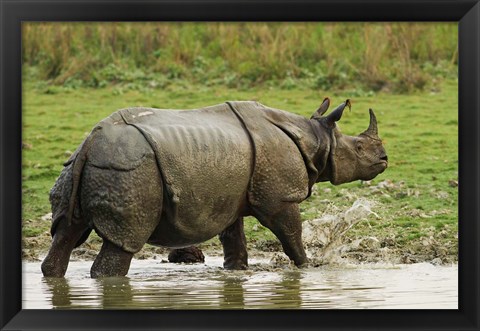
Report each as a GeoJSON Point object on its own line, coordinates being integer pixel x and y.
{"type": "Point", "coordinates": [419, 131]}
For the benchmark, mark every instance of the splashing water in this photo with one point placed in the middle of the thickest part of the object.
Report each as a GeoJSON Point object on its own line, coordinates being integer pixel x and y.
{"type": "Point", "coordinates": [324, 237]}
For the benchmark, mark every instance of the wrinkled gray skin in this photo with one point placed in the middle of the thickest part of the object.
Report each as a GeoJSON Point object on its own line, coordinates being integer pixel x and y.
{"type": "Point", "coordinates": [178, 178]}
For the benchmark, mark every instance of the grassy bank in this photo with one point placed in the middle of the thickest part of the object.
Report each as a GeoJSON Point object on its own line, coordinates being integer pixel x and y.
{"type": "Point", "coordinates": [416, 198]}
{"type": "Point", "coordinates": [361, 57]}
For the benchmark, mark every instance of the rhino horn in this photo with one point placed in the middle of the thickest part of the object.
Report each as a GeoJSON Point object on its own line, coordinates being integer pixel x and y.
{"type": "Point", "coordinates": [336, 114]}
{"type": "Point", "coordinates": [322, 109]}
{"type": "Point", "coordinates": [372, 127]}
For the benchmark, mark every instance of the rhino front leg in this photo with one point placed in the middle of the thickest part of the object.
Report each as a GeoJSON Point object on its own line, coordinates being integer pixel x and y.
{"type": "Point", "coordinates": [286, 224]}
{"type": "Point", "coordinates": [234, 246]}
{"type": "Point", "coordinates": [112, 261]}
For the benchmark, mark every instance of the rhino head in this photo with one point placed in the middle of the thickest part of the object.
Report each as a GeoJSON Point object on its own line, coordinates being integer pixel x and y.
{"type": "Point", "coordinates": [349, 158]}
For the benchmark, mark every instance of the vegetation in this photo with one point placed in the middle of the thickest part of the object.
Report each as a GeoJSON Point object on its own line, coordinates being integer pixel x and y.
{"type": "Point", "coordinates": [77, 74]}
{"type": "Point", "coordinates": [362, 56]}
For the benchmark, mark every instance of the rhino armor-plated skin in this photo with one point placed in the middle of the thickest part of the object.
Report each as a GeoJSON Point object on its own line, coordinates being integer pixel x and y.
{"type": "Point", "coordinates": [176, 178]}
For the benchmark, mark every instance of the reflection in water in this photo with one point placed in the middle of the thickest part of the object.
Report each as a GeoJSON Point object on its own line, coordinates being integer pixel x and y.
{"type": "Point", "coordinates": [60, 291]}
{"type": "Point", "coordinates": [155, 285]}
{"type": "Point", "coordinates": [287, 291]}
{"type": "Point", "coordinates": [232, 294]}
{"type": "Point", "coordinates": [229, 293]}
{"type": "Point", "coordinates": [117, 292]}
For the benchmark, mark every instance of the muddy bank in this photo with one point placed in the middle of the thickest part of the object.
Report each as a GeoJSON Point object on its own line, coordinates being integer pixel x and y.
{"type": "Point", "coordinates": [328, 241]}
{"type": "Point", "coordinates": [353, 251]}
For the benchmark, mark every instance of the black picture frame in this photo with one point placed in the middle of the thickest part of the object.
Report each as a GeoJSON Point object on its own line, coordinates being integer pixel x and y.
{"type": "Point", "coordinates": [14, 12]}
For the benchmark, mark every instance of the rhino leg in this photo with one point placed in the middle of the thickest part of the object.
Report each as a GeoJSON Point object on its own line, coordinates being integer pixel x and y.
{"type": "Point", "coordinates": [111, 261]}
{"type": "Point", "coordinates": [234, 246]}
{"type": "Point", "coordinates": [64, 241]}
{"type": "Point", "coordinates": [285, 222]}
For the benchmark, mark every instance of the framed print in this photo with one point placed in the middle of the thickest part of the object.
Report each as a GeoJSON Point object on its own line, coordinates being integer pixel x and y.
{"type": "Point", "coordinates": [239, 165]}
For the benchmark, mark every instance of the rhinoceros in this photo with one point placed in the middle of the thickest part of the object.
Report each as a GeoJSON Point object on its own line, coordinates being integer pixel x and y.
{"type": "Point", "coordinates": [176, 178]}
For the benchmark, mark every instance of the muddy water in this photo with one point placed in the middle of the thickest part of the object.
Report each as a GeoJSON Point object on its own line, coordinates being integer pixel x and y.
{"type": "Point", "coordinates": [152, 284]}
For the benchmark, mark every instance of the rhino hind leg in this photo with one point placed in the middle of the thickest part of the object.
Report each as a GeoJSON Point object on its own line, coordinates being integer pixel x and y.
{"type": "Point", "coordinates": [234, 246]}
{"type": "Point", "coordinates": [285, 222]}
{"type": "Point", "coordinates": [64, 241]}
{"type": "Point", "coordinates": [112, 261]}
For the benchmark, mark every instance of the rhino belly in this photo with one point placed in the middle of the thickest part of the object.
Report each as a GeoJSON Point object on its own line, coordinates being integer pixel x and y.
{"type": "Point", "coordinates": [197, 222]}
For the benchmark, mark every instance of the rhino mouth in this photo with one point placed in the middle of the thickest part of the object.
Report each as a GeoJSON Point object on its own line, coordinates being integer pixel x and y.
{"type": "Point", "coordinates": [385, 163]}
{"type": "Point", "coordinates": [382, 164]}
{"type": "Point", "coordinates": [380, 167]}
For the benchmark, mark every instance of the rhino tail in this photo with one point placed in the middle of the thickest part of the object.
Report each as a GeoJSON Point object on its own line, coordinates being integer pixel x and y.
{"type": "Point", "coordinates": [77, 169]}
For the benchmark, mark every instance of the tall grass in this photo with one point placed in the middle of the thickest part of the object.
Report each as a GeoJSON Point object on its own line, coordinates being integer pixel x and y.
{"type": "Point", "coordinates": [391, 56]}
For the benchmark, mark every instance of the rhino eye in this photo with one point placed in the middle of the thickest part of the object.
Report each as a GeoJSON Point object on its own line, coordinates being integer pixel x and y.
{"type": "Point", "coordinates": [359, 146]}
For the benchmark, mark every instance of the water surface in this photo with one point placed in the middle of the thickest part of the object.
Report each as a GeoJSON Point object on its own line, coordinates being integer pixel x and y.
{"type": "Point", "coordinates": [152, 284]}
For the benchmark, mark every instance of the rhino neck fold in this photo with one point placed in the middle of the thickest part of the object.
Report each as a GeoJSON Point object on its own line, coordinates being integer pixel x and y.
{"type": "Point", "coordinates": [322, 156]}
{"type": "Point", "coordinates": [306, 145]}
{"type": "Point", "coordinates": [341, 160]}
{"type": "Point", "coordinates": [331, 159]}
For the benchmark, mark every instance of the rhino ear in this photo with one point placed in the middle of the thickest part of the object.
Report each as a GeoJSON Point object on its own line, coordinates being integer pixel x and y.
{"type": "Point", "coordinates": [322, 109]}
{"type": "Point", "coordinates": [337, 113]}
